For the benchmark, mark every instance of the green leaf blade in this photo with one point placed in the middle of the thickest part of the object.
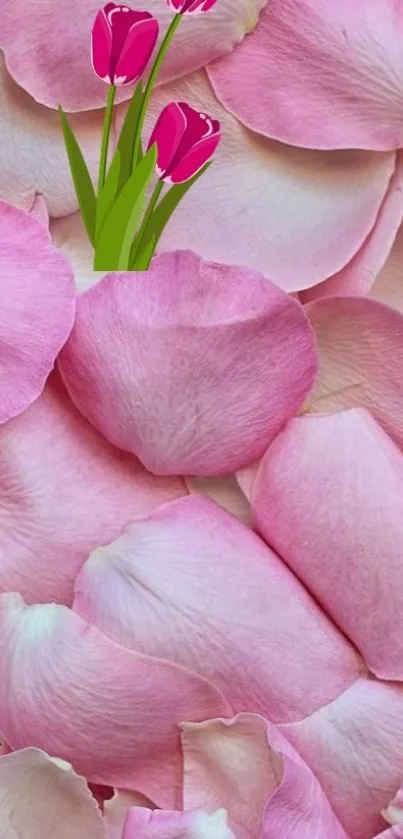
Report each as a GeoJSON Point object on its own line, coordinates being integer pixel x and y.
{"type": "Point", "coordinates": [108, 193]}
{"type": "Point", "coordinates": [115, 239]}
{"type": "Point", "coordinates": [81, 178]}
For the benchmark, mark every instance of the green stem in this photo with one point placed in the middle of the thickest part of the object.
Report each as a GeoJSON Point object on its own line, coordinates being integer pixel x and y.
{"type": "Point", "coordinates": [147, 215]}
{"type": "Point", "coordinates": [105, 136]}
{"type": "Point", "coordinates": [150, 83]}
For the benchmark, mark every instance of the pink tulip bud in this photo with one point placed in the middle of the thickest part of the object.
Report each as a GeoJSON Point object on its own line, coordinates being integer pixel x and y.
{"type": "Point", "coordinates": [186, 139]}
{"type": "Point", "coordinates": [191, 7]}
{"type": "Point", "coordinates": [122, 42]}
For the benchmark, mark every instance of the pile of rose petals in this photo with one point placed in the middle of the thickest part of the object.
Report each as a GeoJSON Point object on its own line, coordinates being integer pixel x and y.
{"type": "Point", "coordinates": [201, 465]}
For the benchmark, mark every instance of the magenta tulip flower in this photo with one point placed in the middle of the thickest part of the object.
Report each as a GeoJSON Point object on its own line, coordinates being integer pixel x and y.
{"type": "Point", "coordinates": [122, 42]}
{"type": "Point", "coordinates": [191, 7]}
{"type": "Point", "coordinates": [186, 139]}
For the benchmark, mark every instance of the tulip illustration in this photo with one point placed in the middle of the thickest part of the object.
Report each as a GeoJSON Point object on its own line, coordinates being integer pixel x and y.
{"type": "Point", "coordinates": [191, 7]}
{"type": "Point", "coordinates": [186, 139]}
{"type": "Point", "coordinates": [122, 42]}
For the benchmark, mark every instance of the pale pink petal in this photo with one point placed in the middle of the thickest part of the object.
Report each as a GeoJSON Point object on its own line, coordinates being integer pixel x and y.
{"type": "Point", "coordinates": [360, 345]}
{"type": "Point", "coordinates": [193, 585]}
{"type": "Point", "coordinates": [393, 813]}
{"type": "Point", "coordinates": [324, 75]}
{"type": "Point", "coordinates": [224, 491]}
{"type": "Point", "coordinates": [359, 275]}
{"type": "Point", "coordinates": [110, 712]}
{"type": "Point", "coordinates": [68, 234]}
{"type": "Point", "coordinates": [354, 747]}
{"type": "Point", "coordinates": [388, 287]}
{"type": "Point", "coordinates": [37, 306]}
{"type": "Point", "coordinates": [116, 809]}
{"type": "Point", "coordinates": [48, 50]}
{"type": "Point", "coordinates": [248, 767]}
{"type": "Point", "coordinates": [38, 210]}
{"type": "Point", "coordinates": [42, 797]}
{"type": "Point", "coordinates": [171, 824]}
{"type": "Point", "coordinates": [32, 153]}
{"type": "Point", "coordinates": [295, 215]}
{"type": "Point", "coordinates": [63, 491]}
{"type": "Point", "coordinates": [202, 362]}
{"type": "Point", "coordinates": [395, 832]}
{"type": "Point", "coordinates": [328, 497]}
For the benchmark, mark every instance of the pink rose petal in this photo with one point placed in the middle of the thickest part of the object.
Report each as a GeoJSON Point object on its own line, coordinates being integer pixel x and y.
{"type": "Point", "coordinates": [328, 498]}
{"type": "Point", "coordinates": [323, 75]}
{"type": "Point", "coordinates": [42, 797]}
{"type": "Point", "coordinates": [37, 305]}
{"type": "Point", "coordinates": [248, 767]}
{"type": "Point", "coordinates": [360, 344]}
{"type": "Point", "coordinates": [259, 196]}
{"type": "Point", "coordinates": [203, 363]}
{"type": "Point", "coordinates": [32, 153]}
{"type": "Point", "coordinates": [191, 584]}
{"type": "Point", "coordinates": [63, 491]}
{"type": "Point", "coordinates": [359, 275]}
{"type": "Point", "coordinates": [164, 824]}
{"type": "Point", "coordinates": [48, 51]}
{"type": "Point", "coordinates": [388, 287]}
{"type": "Point", "coordinates": [224, 491]}
{"type": "Point", "coordinates": [110, 712]}
{"type": "Point", "coordinates": [354, 747]}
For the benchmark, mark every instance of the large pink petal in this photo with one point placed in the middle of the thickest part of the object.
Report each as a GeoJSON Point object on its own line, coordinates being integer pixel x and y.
{"type": "Point", "coordinates": [359, 275]}
{"type": "Point", "coordinates": [360, 345]}
{"type": "Point", "coordinates": [328, 497]}
{"type": "Point", "coordinates": [354, 747]}
{"type": "Point", "coordinates": [42, 797]}
{"type": "Point", "coordinates": [32, 153]}
{"type": "Point", "coordinates": [203, 363]}
{"type": "Point", "coordinates": [173, 824]}
{"type": "Point", "coordinates": [37, 306]}
{"type": "Point", "coordinates": [110, 712]}
{"type": "Point", "coordinates": [323, 75]}
{"type": "Point", "coordinates": [63, 491]}
{"type": "Point", "coordinates": [193, 585]}
{"type": "Point", "coordinates": [248, 767]}
{"type": "Point", "coordinates": [48, 50]}
{"type": "Point", "coordinates": [259, 196]}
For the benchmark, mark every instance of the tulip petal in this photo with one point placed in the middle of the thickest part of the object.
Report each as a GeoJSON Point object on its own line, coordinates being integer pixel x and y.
{"type": "Point", "coordinates": [41, 48]}
{"type": "Point", "coordinates": [328, 497]}
{"type": "Point", "coordinates": [37, 305]}
{"type": "Point", "coordinates": [212, 360]}
{"type": "Point", "coordinates": [191, 584]}
{"type": "Point", "coordinates": [251, 769]}
{"type": "Point", "coordinates": [259, 195]}
{"type": "Point", "coordinates": [164, 824]}
{"type": "Point", "coordinates": [137, 49]}
{"type": "Point", "coordinates": [360, 344]}
{"type": "Point", "coordinates": [40, 796]}
{"type": "Point", "coordinates": [63, 491]}
{"type": "Point", "coordinates": [101, 46]}
{"type": "Point", "coordinates": [359, 275]}
{"type": "Point", "coordinates": [168, 130]}
{"type": "Point", "coordinates": [276, 84]}
{"type": "Point", "coordinates": [32, 153]}
{"type": "Point", "coordinates": [195, 159]}
{"type": "Point", "coordinates": [110, 712]}
{"type": "Point", "coordinates": [353, 745]}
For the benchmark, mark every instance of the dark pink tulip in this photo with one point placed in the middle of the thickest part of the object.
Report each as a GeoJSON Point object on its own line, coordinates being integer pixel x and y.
{"type": "Point", "coordinates": [191, 7]}
{"type": "Point", "coordinates": [122, 42]}
{"type": "Point", "coordinates": [186, 139]}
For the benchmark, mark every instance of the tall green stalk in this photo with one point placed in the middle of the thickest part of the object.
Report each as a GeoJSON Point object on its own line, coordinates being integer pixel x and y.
{"type": "Point", "coordinates": [105, 136]}
{"type": "Point", "coordinates": [150, 83]}
{"type": "Point", "coordinates": [147, 215]}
